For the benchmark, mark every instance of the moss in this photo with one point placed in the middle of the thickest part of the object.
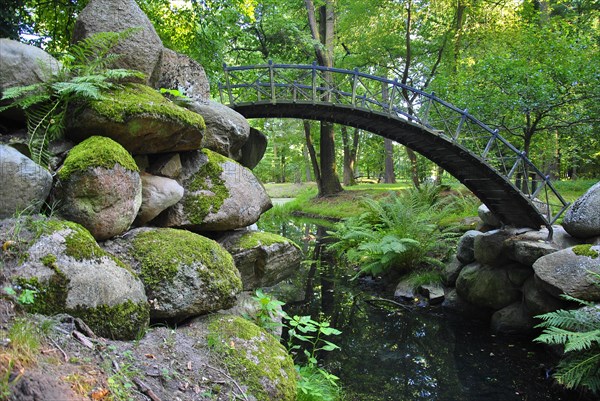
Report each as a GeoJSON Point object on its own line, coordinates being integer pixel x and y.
{"type": "Point", "coordinates": [124, 321]}
{"type": "Point", "coordinates": [49, 260]}
{"type": "Point", "coordinates": [253, 357]}
{"type": "Point", "coordinates": [135, 99]}
{"type": "Point", "coordinates": [252, 239]}
{"type": "Point", "coordinates": [50, 297]}
{"type": "Point", "coordinates": [162, 252]}
{"type": "Point", "coordinates": [585, 250]}
{"type": "Point", "coordinates": [207, 179]}
{"type": "Point", "coordinates": [96, 151]}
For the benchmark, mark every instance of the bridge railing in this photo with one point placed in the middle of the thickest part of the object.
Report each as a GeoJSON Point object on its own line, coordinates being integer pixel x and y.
{"type": "Point", "coordinates": [272, 83]}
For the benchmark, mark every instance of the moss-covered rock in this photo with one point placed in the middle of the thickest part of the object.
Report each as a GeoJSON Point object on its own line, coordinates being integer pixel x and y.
{"type": "Point", "coordinates": [263, 259]}
{"type": "Point", "coordinates": [99, 187]}
{"type": "Point", "coordinates": [141, 120]}
{"type": "Point", "coordinates": [184, 273]}
{"type": "Point", "coordinates": [586, 250]}
{"type": "Point", "coordinates": [220, 195]}
{"type": "Point", "coordinates": [254, 358]}
{"type": "Point", "coordinates": [69, 273]}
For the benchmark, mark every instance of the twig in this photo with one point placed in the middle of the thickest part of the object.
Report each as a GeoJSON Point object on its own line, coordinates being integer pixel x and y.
{"type": "Point", "coordinates": [59, 348]}
{"type": "Point", "coordinates": [145, 389]}
{"type": "Point", "coordinates": [84, 328]}
{"type": "Point", "coordinates": [230, 378]}
{"type": "Point", "coordinates": [83, 339]}
{"type": "Point", "coordinates": [373, 300]}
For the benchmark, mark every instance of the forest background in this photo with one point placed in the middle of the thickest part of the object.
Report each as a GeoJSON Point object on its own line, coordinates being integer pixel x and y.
{"type": "Point", "coordinates": [530, 68]}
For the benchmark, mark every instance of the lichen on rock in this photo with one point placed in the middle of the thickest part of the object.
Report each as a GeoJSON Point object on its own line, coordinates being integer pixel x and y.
{"type": "Point", "coordinates": [254, 358]}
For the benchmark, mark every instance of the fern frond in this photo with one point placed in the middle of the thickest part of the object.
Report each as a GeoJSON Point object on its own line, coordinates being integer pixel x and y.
{"type": "Point", "coordinates": [580, 370]}
{"type": "Point", "coordinates": [19, 91]}
{"type": "Point", "coordinates": [577, 319]}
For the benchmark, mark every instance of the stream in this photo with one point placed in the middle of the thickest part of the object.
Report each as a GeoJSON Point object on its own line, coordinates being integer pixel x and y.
{"type": "Point", "coordinates": [407, 353]}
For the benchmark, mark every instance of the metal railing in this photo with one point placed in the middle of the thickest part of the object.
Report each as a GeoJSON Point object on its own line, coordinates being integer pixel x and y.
{"type": "Point", "coordinates": [313, 84]}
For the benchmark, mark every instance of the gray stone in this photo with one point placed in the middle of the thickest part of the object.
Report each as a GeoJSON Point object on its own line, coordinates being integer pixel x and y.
{"type": "Point", "coordinates": [454, 303]}
{"type": "Point", "coordinates": [158, 193]}
{"type": "Point", "coordinates": [140, 51]}
{"type": "Point", "coordinates": [226, 129]}
{"type": "Point", "coordinates": [433, 292]}
{"type": "Point", "coordinates": [539, 301]}
{"type": "Point", "coordinates": [582, 220]}
{"type": "Point", "coordinates": [73, 275]}
{"type": "Point", "coordinates": [518, 273]}
{"type": "Point", "coordinates": [22, 65]}
{"type": "Point", "coordinates": [24, 185]}
{"type": "Point", "coordinates": [263, 259]}
{"type": "Point", "coordinates": [105, 201]}
{"type": "Point", "coordinates": [179, 72]}
{"type": "Point", "coordinates": [405, 290]}
{"type": "Point", "coordinates": [565, 272]}
{"type": "Point", "coordinates": [489, 247]}
{"type": "Point", "coordinates": [220, 195]}
{"type": "Point", "coordinates": [486, 286]}
{"type": "Point", "coordinates": [513, 319]}
{"type": "Point", "coordinates": [465, 249]}
{"type": "Point", "coordinates": [184, 274]}
{"type": "Point", "coordinates": [488, 217]}
{"type": "Point", "coordinates": [528, 247]}
{"type": "Point", "coordinates": [167, 165]}
{"type": "Point", "coordinates": [451, 271]}
{"type": "Point", "coordinates": [254, 149]}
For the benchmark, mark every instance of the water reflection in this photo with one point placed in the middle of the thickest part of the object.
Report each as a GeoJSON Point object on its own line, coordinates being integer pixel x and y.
{"type": "Point", "coordinates": [407, 354]}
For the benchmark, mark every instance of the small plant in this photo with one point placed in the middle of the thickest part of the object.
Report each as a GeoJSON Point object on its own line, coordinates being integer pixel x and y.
{"type": "Point", "coordinates": [25, 296]}
{"type": "Point", "coordinates": [269, 313]}
{"type": "Point", "coordinates": [578, 331]}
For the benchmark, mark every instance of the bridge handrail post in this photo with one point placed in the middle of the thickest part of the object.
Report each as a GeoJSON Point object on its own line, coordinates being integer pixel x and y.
{"type": "Point", "coordinates": [272, 82]}
{"type": "Point", "coordinates": [425, 118]}
{"type": "Point", "coordinates": [354, 84]}
{"type": "Point", "coordinates": [391, 96]}
{"type": "Point", "coordinates": [488, 147]}
{"type": "Point", "coordinates": [460, 124]}
{"type": "Point", "coordinates": [314, 82]}
{"type": "Point", "coordinates": [227, 83]}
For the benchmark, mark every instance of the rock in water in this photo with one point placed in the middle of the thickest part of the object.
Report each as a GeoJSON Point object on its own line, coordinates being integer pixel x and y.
{"type": "Point", "coordinates": [139, 51]}
{"type": "Point", "coordinates": [582, 220]}
{"type": "Point", "coordinates": [99, 187]}
{"type": "Point", "coordinates": [24, 185]}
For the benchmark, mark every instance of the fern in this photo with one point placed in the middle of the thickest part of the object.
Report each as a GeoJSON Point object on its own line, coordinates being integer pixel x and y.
{"type": "Point", "coordinates": [579, 332]}
{"type": "Point", "coordinates": [84, 76]}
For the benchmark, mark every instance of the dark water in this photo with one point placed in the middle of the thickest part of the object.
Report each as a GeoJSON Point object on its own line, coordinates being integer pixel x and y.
{"type": "Point", "coordinates": [409, 353]}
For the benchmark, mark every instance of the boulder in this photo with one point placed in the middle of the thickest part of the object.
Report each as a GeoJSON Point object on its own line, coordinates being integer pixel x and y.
{"type": "Point", "coordinates": [179, 72]}
{"type": "Point", "coordinates": [570, 272]}
{"type": "Point", "coordinates": [451, 271]}
{"type": "Point", "coordinates": [582, 220]}
{"type": "Point", "coordinates": [140, 51]}
{"type": "Point", "coordinates": [539, 301]}
{"type": "Point", "coordinates": [226, 129]}
{"type": "Point", "coordinates": [22, 65]}
{"type": "Point", "coordinates": [24, 185]}
{"type": "Point", "coordinates": [465, 251]}
{"type": "Point", "coordinates": [518, 273]}
{"type": "Point", "coordinates": [486, 286]}
{"type": "Point", "coordinates": [184, 273]}
{"type": "Point", "coordinates": [263, 259]}
{"type": "Point", "coordinates": [167, 165]}
{"type": "Point", "coordinates": [489, 247]}
{"type": "Point", "coordinates": [220, 195]}
{"type": "Point", "coordinates": [158, 193]}
{"type": "Point", "coordinates": [434, 292]}
{"type": "Point", "coordinates": [528, 247]}
{"type": "Point", "coordinates": [454, 303]}
{"type": "Point", "coordinates": [513, 319]}
{"type": "Point", "coordinates": [70, 273]}
{"type": "Point", "coordinates": [252, 357]}
{"type": "Point", "coordinates": [405, 290]}
{"type": "Point", "coordinates": [141, 120]}
{"type": "Point", "coordinates": [99, 187]}
{"type": "Point", "coordinates": [254, 149]}
{"type": "Point", "coordinates": [488, 218]}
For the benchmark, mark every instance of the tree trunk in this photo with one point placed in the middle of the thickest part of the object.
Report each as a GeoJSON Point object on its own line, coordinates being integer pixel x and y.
{"type": "Point", "coordinates": [389, 177]}
{"type": "Point", "coordinates": [312, 153]}
{"type": "Point", "coordinates": [307, 163]}
{"type": "Point", "coordinates": [330, 184]}
{"type": "Point", "coordinates": [414, 167]}
{"type": "Point", "coordinates": [350, 151]}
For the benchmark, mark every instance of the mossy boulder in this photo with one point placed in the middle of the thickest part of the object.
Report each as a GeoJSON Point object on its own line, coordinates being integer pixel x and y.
{"type": "Point", "coordinates": [69, 273]}
{"type": "Point", "coordinates": [220, 195]}
{"type": "Point", "coordinates": [254, 358]}
{"type": "Point", "coordinates": [141, 120]}
{"type": "Point", "coordinates": [487, 286]}
{"type": "Point", "coordinates": [184, 273]}
{"type": "Point", "coordinates": [263, 259]}
{"type": "Point", "coordinates": [570, 271]}
{"type": "Point", "coordinates": [99, 187]}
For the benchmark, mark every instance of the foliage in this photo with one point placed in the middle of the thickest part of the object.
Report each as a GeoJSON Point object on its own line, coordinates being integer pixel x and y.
{"type": "Point", "coordinates": [25, 296]}
{"type": "Point", "coordinates": [578, 331]}
{"type": "Point", "coordinates": [268, 312]}
{"type": "Point", "coordinates": [85, 73]}
{"type": "Point", "coordinates": [398, 232]}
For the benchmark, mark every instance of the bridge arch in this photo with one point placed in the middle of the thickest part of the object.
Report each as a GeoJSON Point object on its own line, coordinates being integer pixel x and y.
{"type": "Point", "coordinates": [477, 155]}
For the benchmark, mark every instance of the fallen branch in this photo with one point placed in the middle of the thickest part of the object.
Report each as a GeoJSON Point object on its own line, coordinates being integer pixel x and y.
{"type": "Point", "coordinates": [83, 339]}
{"type": "Point", "coordinates": [385, 300]}
{"type": "Point", "coordinates": [145, 389]}
{"type": "Point", "coordinates": [230, 378]}
{"type": "Point", "coordinates": [60, 349]}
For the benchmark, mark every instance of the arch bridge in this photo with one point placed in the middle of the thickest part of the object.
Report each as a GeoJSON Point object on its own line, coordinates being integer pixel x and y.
{"type": "Point", "coordinates": [498, 173]}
